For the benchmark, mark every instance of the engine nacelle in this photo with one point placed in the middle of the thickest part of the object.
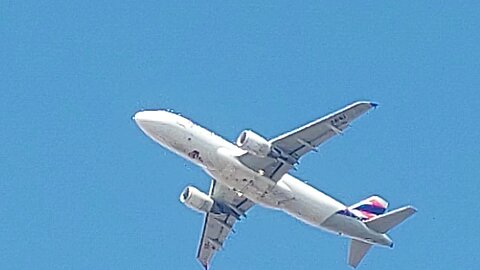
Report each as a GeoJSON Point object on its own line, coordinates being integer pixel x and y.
{"type": "Point", "coordinates": [196, 200]}
{"type": "Point", "coordinates": [254, 143]}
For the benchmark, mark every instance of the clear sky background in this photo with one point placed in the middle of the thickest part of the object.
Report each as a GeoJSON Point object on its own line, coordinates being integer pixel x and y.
{"type": "Point", "coordinates": [82, 188]}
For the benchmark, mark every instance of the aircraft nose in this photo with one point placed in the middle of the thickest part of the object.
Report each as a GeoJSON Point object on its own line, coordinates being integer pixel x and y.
{"type": "Point", "coordinates": [152, 123]}
{"type": "Point", "coordinates": [140, 117]}
{"type": "Point", "coordinates": [149, 119]}
{"type": "Point", "coordinates": [144, 117]}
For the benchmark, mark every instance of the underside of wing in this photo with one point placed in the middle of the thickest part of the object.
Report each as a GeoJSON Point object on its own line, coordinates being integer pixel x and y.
{"type": "Point", "coordinates": [306, 138]}
{"type": "Point", "coordinates": [290, 147]}
{"type": "Point", "coordinates": [230, 207]}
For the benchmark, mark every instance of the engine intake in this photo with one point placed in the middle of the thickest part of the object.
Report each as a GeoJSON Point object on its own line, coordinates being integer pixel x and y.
{"type": "Point", "coordinates": [254, 143]}
{"type": "Point", "coordinates": [201, 202]}
{"type": "Point", "coordinates": [196, 200]}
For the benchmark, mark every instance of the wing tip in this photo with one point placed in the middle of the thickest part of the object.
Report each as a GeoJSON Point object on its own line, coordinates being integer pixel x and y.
{"type": "Point", "coordinates": [371, 104]}
{"type": "Point", "coordinates": [205, 265]}
{"type": "Point", "coordinates": [412, 209]}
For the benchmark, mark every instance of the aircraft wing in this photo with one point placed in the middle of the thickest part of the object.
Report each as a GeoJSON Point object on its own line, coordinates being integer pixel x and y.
{"type": "Point", "coordinates": [292, 145]}
{"type": "Point", "coordinates": [217, 227]}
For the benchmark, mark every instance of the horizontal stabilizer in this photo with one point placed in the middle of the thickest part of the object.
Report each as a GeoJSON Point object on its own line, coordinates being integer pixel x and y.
{"type": "Point", "coordinates": [358, 250]}
{"type": "Point", "coordinates": [385, 222]}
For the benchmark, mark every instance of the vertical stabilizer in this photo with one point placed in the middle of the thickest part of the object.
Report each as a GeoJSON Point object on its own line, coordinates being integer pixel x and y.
{"type": "Point", "coordinates": [369, 208]}
{"type": "Point", "coordinates": [357, 251]}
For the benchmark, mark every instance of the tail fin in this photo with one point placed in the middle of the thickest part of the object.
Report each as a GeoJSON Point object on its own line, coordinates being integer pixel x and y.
{"type": "Point", "coordinates": [385, 222]}
{"type": "Point", "coordinates": [369, 208]}
{"type": "Point", "coordinates": [381, 224]}
{"type": "Point", "coordinates": [357, 251]}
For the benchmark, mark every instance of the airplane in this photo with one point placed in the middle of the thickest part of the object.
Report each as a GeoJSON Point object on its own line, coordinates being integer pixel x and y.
{"type": "Point", "coordinates": [255, 171]}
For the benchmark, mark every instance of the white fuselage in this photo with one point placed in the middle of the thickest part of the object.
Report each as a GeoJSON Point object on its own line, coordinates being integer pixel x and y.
{"type": "Point", "coordinates": [218, 158]}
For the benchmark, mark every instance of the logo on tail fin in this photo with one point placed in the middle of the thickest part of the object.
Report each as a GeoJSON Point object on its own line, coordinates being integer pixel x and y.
{"type": "Point", "coordinates": [367, 209]}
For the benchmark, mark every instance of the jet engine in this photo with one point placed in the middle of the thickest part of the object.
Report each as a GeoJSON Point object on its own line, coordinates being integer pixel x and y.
{"type": "Point", "coordinates": [196, 200]}
{"type": "Point", "coordinates": [254, 143]}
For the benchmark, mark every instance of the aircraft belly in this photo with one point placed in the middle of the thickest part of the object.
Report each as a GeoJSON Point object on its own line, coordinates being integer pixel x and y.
{"type": "Point", "coordinates": [227, 169]}
{"type": "Point", "coordinates": [253, 187]}
{"type": "Point", "coordinates": [288, 194]}
{"type": "Point", "coordinates": [309, 205]}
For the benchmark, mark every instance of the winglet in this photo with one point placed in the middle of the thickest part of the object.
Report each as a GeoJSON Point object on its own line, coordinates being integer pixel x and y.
{"type": "Point", "coordinates": [374, 104]}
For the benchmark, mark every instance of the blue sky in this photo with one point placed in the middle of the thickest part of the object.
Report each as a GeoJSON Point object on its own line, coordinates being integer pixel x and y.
{"type": "Point", "coordinates": [82, 188]}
